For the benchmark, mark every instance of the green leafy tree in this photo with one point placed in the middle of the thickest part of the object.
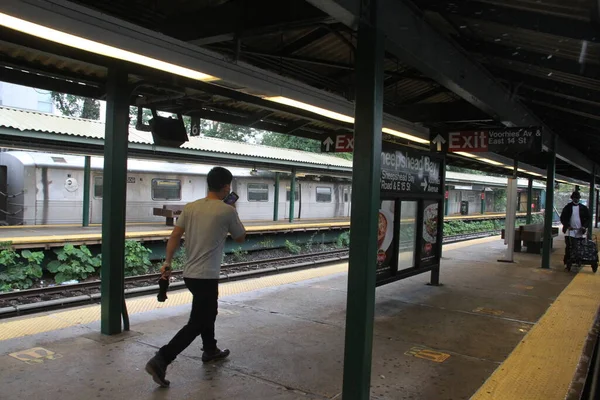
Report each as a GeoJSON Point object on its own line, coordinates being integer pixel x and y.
{"type": "Point", "coordinates": [76, 106]}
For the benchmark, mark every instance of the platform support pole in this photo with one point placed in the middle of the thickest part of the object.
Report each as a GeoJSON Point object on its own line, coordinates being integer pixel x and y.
{"type": "Point", "coordinates": [366, 177]}
{"type": "Point", "coordinates": [276, 198]}
{"type": "Point", "coordinates": [292, 194]}
{"type": "Point", "coordinates": [591, 201]}
{"type": "Point", "coordinates": [549, 214]}
{"type": "Point", "coordinates": [483, 202]}
{"type": "Point", "coordinates": [114, 201]}
{"type": "Point", "coordinates": [87, 170]}
{"type": "Point", "coordinates": [529, 200]}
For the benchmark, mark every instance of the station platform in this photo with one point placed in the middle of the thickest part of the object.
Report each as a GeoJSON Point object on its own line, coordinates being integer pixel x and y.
{"type": "Point", "coordinates": [47, 236]}
{"type": "Point", "coordinates": [492, 331]}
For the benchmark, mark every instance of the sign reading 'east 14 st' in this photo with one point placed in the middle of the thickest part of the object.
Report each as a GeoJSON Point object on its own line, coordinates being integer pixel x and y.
{"type": "Point", "coordinates": [504, 140]}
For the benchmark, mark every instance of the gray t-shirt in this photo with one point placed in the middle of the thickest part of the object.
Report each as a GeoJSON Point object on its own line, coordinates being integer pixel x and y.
{"type": "Point", "coordinates": [206, 223]}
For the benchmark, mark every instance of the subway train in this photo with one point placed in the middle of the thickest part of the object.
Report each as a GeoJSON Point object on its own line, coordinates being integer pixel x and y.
{"type": "Point", "coordinates": [43, 189]}
{"type": "Point", "coordinates": [39, 188]}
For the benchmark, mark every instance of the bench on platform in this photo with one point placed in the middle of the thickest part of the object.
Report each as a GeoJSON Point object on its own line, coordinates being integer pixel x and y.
{"type": "Point", "coordinates": [532, 237]}
{"type": "Point", "coordinates": [170, 211]}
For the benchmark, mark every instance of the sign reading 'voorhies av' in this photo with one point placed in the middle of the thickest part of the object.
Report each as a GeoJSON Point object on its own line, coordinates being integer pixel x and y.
{"type": "Point", "coordinates": [504, 140]}
{"type": "Point", "coordinates": [408, 171]}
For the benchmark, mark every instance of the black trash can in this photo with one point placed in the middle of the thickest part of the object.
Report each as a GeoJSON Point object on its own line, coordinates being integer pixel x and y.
{"type": "Point", "coordinates": [464, 208]}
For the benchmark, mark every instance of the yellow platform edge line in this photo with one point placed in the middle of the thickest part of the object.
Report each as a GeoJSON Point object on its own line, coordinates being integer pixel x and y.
{"type": "Point", "coordinates": [543, 364]}
{"type": "Point", "coordinates": [30, 325]}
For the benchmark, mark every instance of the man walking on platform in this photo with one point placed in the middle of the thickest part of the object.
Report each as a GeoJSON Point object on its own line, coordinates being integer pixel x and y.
{"type": "Point", "coordinates": [206, 223]}
{"type": "Point", "coordinates": [575, 219]}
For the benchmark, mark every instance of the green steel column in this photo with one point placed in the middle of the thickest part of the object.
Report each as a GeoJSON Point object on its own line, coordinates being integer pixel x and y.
{"type": "Point", "coordinates": [292, 194]}
{"type": "Point", "coordinates": [276, 198]}
{"type": "Point", "coordinates": [591, 201]}
{"type": "Point", "coordinates": [87, 169]}
{"type": "Point", "coordinates": [446, 202]}
{"type": "Point", "coordinates": [550, 176]}
{"type": "Point", "coordinates": [114, 201]}
{"type": "Point", "coordinates": [366, 176]}
{"type": "Point", "coordinates": [529, 199]}
{"type": "Point", "coordinates": [482, 202]}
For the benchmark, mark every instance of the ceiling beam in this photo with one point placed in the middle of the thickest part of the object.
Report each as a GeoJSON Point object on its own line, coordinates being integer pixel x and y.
{"type": "Point", "coordinates": [551, 61]}
{"type": "Point", "coordinates": [440, 112]}
{"type": "Point", "coordinates": [47, 82]}
{"type": "Point", "coordinates": [414, 41]}
{"type": "Point", "coordinates": [242, 18]}
{"type": "Point", "coordinates": [548, 84]}
{"type": "Point", "coordinates": [291, 128]}
{"type": "Point", "coordinates": [572, 28]}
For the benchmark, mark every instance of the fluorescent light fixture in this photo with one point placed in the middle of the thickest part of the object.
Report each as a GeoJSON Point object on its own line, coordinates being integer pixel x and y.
{"type": "Point", "coordinates": [314, 109]}
{"type": "Point", "coordinates": [339, 117]}
{"type": "Point", "coordinates": [462, 153]}
{"type": "Point", "coordinates": [91, 46]}
{"type": "Point", "coordinates": [487, 160]}
{"type": "Point", "coordinates": [405, 136]}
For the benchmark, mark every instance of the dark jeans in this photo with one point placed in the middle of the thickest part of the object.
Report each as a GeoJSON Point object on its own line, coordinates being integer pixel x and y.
{"type": "Point", "coordinates": [567, 249]}
{"type": "Point", "coordinates": [202, 319]}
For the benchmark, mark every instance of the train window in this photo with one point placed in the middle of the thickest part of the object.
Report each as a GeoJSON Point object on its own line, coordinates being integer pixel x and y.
{"type": "Point", "coordinates": [166, 189]}
{"type": "Point", "coordinates": [287, 194]}
{"type": "Point", "coordinates": [98, 187]}
{"type": "Point", "coordinates": [258, 192]}
{"type": "Point", "coordinates": [345, 195]}
{"type": "Point", "coordinates": [323, 194]}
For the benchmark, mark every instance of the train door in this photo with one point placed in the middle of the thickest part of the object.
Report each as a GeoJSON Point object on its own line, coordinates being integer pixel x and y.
{"type": "Point", "coordinates": [297, 204]}
{"type": "Point", "coordinates": [96, 200]}
{"type": "Point", "coordinates": [346, 200]}
{"type": "Point", "coordinates": [3, 194]}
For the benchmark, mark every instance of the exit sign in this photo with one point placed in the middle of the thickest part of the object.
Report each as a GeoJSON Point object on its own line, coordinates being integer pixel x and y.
{"type": "Point", "coordinates": [338, 144]}
{"type": "Point", "coordinates": [504, 140]}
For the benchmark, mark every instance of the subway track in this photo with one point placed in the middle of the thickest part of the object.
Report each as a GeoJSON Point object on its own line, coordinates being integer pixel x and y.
{"type": "Point", "coordinates": [63, 296]}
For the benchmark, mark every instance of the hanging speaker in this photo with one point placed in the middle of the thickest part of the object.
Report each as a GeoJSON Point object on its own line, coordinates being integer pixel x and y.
{"type": "Point", "coordinates": [168, 132]}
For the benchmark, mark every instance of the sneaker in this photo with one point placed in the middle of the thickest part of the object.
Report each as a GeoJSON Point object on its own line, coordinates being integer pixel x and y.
{"type": "Point", "coordinates": [215, 354]}
{"type": "Point", "coordinates": [157, 367]}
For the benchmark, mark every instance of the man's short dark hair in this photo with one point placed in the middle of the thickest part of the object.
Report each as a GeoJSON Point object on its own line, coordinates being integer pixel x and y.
{"type": "Point", "coordinates": [576, 194]}
{"type": "Point", "coordinates": [218, 178]}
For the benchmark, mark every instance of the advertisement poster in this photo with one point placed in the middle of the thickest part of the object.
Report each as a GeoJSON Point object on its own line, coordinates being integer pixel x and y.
{"type": "Point", "coordinates": [430, 232]}
{"type": "Point", "coordinates": [385, 237]}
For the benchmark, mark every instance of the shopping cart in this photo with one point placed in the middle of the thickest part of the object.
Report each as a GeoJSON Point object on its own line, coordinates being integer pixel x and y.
{"type": "Point", "coordinates": [583, 251]}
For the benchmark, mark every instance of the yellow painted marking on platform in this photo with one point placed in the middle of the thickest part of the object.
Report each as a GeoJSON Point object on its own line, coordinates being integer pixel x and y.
{"type": "Point", "coordinates": [524, 287]}
{"type": "Point", "coordinates": [35, 355]}
{"type": "Point", "coordinates": [79, 237]}
{"type": "Point", "coordinates": [26, 326]}
{"type": "Point", "coordinates": [543, 363]}
{"type": "Point", "coordinates": [427, 354]}
{"type": "Point", "coordinates": [488, 311]}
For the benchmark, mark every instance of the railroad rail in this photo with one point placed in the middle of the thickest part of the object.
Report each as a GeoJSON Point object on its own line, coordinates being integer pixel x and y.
{"type": "Point", "coordinates": [61, 296]}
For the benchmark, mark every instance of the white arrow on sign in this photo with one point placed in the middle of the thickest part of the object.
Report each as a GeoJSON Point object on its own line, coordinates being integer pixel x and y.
{"type": "Point", "coordinates": [328, 143]}
{"type": "Point", "coordinates": [424, 184]}
{"type": "Point", "coordinates": [439, 141]}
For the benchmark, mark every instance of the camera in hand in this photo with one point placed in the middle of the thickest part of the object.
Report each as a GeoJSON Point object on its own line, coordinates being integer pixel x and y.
{"type": "Point", "coordinates": [163, 285]}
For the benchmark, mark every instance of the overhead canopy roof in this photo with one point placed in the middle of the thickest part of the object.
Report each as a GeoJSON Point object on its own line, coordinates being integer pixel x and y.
{"type": "Point", "coordinates": [43, 131]}
{"type": "Point", "coordinates": [499, 63]}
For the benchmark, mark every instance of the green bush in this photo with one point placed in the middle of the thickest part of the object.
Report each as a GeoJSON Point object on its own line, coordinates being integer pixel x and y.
{"type": "Point", "coordinates": [179, 259]}
{"type": "Point", "coordinates": [73, 263]}
{"type": "Point", "coordinates": [137, 258]}
{"type": "Point", "coordinates": [292, 247]}
{"type": "Point", "coordinates": [343, 240]}
{"type": "Point", "coordinates": [19, 271]}
{"type": "Point", "coordinates": [239, 255]}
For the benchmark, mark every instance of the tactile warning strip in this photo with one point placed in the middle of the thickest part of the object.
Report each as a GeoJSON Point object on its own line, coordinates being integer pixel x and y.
{"type": "Point", "coordinates": [544, 362]}
{"type": "Point", "coordinates": [26, 326]}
